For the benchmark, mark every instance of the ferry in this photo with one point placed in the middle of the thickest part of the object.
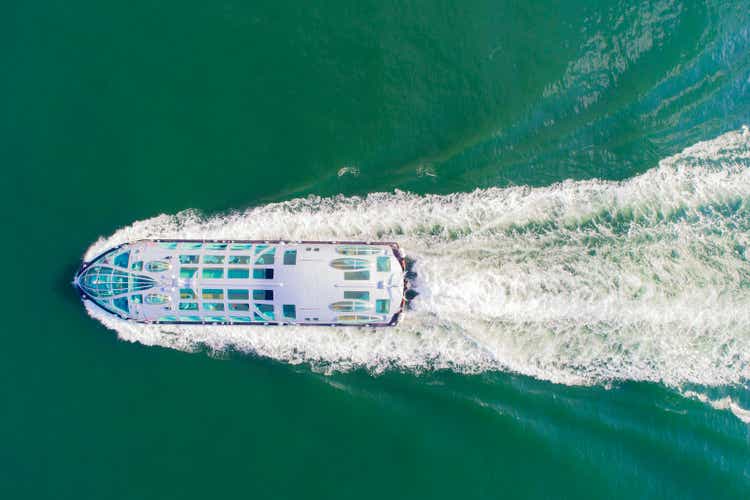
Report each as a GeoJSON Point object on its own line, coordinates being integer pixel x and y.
{"type": "Point", "coordinates": [229, 282]}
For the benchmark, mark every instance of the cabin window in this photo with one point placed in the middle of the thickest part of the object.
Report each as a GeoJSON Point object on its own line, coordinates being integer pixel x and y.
{"type": "Point", "coordinates": [169, 245]}
{"type": "Point", "coordinates": [191, 319]}
{"type": "Point", "coordinates": [188, 306]}
{"type": "Point", "coordinates": [213, 273]}
{"type": "Point", "coordinates": [237, 294]}
{"type": "Point", "coordinates": [266, 311]}
{"type": "Point", "coordinates": [122, 259]}
{"type": "Point", "coordinates": [187, 293]}
{"type": "Point", "coordinates": [260, 248]}
{"type": "Point", "coordinates": [157, 266]}
{"type": "Point", "coordinates": [137, 266]}
{"type": "Point", "coordinates": [289, 311]}
{"type": "Point", "coordinates": [358, 250]}
{"type": "Point", "coordinates": [168, 318]}
{"type": "Point", "coordinates": [216, 246]}
{"type": "Point", "coordinates": [188, 272]}
{"type": "Point", "coordinates": [137, 299]}
{"type": "Point", "coordinates": [213, 293]}
{"type": "Point", "coordinates": [156, 298]}
{"type": "Point", "coordinates": [384, 264]}
{"type": "Point", "coordinates": [241, 246]}
{"type": "Point", "coordinates": [382, 306]}
{"type": "Point", "coordinates": [239, 259]}
{"type": "Point", "coordinates": [263, 274]}
{"type": "Point", "coordinates": [213, 259]}
{"type": "Point", "coordinates": [290, 257]}
{"type": "Point", "coordinates": [238, 273]}
{"type": "Point", "coordinates": [213, 306]}
{"type": "Point", "coordinates": [349, 306]}
{"type": "Point", "coordinates": [188, 259]}
{"type": "Point", "coordinates": [266, 259]}
{"type": "Point", "coordinates": [215, 319]}
{"type": "Point", "coordinates": [357, 295]}
{"type": "Point", "coordinates": [262, 294]}
{"type": "Point", "coordinates": [191, 245]}
{"type": "Point", "coordinates": [349, 264]}
{"type": "Point", "coordinates": [239, 306]}
{"type": "Point", "coordinates": [357, 275]}
{"type": "Point", "coordinates": [122, 304]}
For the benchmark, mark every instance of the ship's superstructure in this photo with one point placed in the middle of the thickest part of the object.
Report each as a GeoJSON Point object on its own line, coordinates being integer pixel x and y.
{"type": "Point", "coordinates": [248, 282]}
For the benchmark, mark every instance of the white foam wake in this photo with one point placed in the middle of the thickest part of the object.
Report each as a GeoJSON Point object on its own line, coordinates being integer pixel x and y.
{"type": "Point", "coordinates": [578, 283]}
{"type": "Point", "coordinates": [725, 403]}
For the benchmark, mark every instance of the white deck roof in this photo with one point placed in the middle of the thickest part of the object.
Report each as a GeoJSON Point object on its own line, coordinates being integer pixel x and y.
{"type": "Point", "coordinates": [248, 282]}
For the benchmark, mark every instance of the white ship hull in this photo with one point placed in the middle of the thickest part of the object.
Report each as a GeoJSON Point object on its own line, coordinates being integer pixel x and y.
{"type": "Point", "coordinates": [248, 282]}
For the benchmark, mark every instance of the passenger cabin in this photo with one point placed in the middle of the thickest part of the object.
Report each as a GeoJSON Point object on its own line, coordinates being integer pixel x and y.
{"type": "Point", "coordinates": [248, 282]}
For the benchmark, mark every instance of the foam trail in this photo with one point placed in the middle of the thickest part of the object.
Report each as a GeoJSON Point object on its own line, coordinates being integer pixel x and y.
{"type": "Point", "coordinates": [725, 403]}
{"type": "Point", "coordinates": [577, 283]}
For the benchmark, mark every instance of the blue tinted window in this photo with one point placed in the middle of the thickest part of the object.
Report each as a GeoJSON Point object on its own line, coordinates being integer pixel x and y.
{"type": "Point", "coordinates": [238, 294]}
{"type": "Point", "coordinates": [350, 264]}
{"type": "Point", "coordinates": [122, 304]}
{"type": "Point", "coordinates": [357, 295]}
{"type": "Point", "coordinates": [382, 306]}
{"type": "Point", "coordinates": [384, 264]}
{"type": "Point", "coordinates": [239, 259]}
{"type": "Point", "coordinates": [266, 259]}
{"type": "Point", "coordinates": [213, 306]}
{"type": "Point", "coordinates": [188, 272]}
{"type": "Point", "coordinates": [122, 259]}
{"type": "Point", "coordinates": [216, 246]}
{"type": "Point", "coordinates": [188, 306]}
{"type": "Point", "coordinates": [266, 311]}
{"type": "Point", "coordinates": [238, 273]}
{"type": "Point", "coordinates": [213, 273]}
{"type": "Point", "coordinates": [157, 266]}
{"type": "Point", "coordinates": [213, 259]}
{"type": "Point", "coordinates": [290, 311]}
{"type": "Point", "coordinates": [156, 298]}
{"type": "Point", "coordinates": [213, 293]}
{"type": "Point", "coordinates": [263, 274]}
{"type": "Point", "coordinates": [188, 259]}
{"type": "Point", "coordinates": [241, 246]}
{"type": "Point", "coordinates": [262, 294]}
{"type": "Point", "coordinates": [239, 306]}
{"type": "Point", "coordinates": [290, 257]}
{"type": "Point", "coordinates": [358, 250]}
{"type": "Point", "coordinates": [357, 275]}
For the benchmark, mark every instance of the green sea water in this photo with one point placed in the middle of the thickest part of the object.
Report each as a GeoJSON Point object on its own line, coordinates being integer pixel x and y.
{"type": "Point", "coordinates": [571, 178]}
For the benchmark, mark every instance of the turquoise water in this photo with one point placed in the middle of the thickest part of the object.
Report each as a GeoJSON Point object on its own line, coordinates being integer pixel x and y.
{"type": "Point", "coordinates": [572, 180]}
